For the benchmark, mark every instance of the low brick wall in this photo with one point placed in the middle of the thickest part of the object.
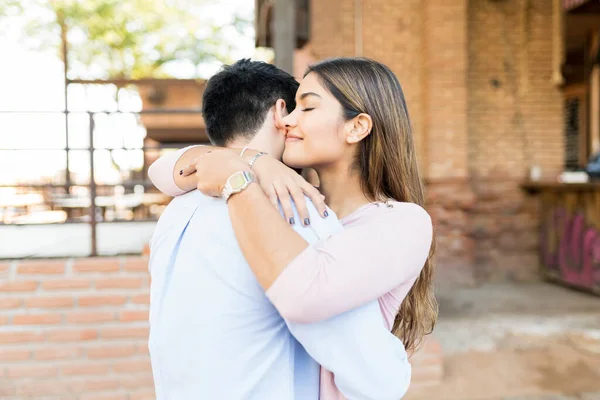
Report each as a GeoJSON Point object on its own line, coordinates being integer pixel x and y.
{"type": "Point", "coordinates": [75, 328]}
{"type": "Point", "coordinates": [78, 329]}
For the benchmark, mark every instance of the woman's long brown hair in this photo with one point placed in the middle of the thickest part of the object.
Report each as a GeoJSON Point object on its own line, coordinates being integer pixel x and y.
{"type": "Point", "coordinates": [387, 164]}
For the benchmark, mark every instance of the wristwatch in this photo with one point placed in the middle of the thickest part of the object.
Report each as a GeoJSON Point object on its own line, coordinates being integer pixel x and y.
{"type": "Point", "coordinates": [237, 182]}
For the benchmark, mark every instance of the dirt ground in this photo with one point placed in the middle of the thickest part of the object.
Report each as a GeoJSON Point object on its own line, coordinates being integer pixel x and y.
{"type": "Point", "coordinates": [517, 342]}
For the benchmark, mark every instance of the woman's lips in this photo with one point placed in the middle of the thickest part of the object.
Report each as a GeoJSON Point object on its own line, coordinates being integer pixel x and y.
{"type": "Point", "coordinates": [292, 139]}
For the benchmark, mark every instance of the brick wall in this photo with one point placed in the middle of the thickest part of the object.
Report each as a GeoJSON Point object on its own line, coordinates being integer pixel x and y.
{"type": "Point", "coordinates": [477, 78]}
{"type": "Point", "coordinates": [515, 120]}
{"type": "Point", "coordinates": [78, 329]}
{"type": "Point", "coordinates": [75, 329]}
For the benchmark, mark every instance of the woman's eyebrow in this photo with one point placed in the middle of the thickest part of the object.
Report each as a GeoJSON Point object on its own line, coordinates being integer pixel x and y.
{"type": "Point", "coordinates": [305, 95]}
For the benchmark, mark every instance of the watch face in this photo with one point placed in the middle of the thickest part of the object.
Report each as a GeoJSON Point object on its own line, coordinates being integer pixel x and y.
{"type": "Point", "coordinates": [237, 181]}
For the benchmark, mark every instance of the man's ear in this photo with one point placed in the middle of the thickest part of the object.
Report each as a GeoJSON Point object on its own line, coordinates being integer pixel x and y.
{"type": "Point", "coordinates": [280, 112]}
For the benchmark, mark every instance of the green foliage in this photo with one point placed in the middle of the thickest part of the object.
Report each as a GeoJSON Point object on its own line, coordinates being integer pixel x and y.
{"type": "Point", "coordinates": [127, 38]}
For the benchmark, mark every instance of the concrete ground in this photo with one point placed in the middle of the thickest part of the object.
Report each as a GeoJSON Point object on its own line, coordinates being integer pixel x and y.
{"type": "Point", "coordinates": [534, 341]}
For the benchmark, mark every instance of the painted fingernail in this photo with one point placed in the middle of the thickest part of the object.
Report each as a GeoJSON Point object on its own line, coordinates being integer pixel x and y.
{"type": "Point", "coordinates": [325, 214]}
{"type": "Point", "coordinates": [292, 222]}
{"type": "Point", "coordinates": [306, 221]}
{"type": "Point", "coordinates": [181, 172]}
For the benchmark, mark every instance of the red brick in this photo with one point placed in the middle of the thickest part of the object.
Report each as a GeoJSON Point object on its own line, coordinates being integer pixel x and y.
{"type": "Point", "coordinates": [119, 283]}
{"type": "Point", "coordinates": [135, 366]}
{"type": "Point", "coordinates": [49, 302]}
{"type": "Point", "coordinates": [8, 390]}
{"type": "Point", "coordinates": [101, 384]}
{"type": "Point", "coordinates": [95, 301]}
{"type": "Point", "coordinates": [71, 335]}
{"type": "Point", "coordinates": [46, 371]}
{"type": "Point", "coordinates": [141, 299]}
{"type": "Point", "coordinates": [106, 397]}
{"type": "Point", "coordinates": [85, 369]}
{"type": "Point", "coordinates": [42, 267]}
{"type": "Point", "coordinates": [9, 302]}
{"type": "Point", "coordinates": [4, 267]}
{"type": "Point", "coordinates": [146, 394]}
{"type": "Point", "coordinates": [99, 264]}
{"type": "Point", "coordinates": [90, 317]}
{"type": "Point", "coordinates": [136, 264]}
{"type": "Point", "coordinates": [66, 284]}
{"type": "Point", "coordinates": [143, 349]}
{"type": "Point", "coordinates": [18, 286]}
{"type": "Point", "coordinates": [57, 353]}
{"type": "Point", "coordinates": [14, 355]}
{"type": "Point", "coordinates": [39, 388]}
{"type": "Point", "coordinates": [20, 337]}
{"type": "Point", "coordinates": [37, 319]}
{"type": "Point", "coordinates": [136, 382]}
{"type": "Point", "coordinates": [141, 315]}
{"type": "Point", "coordinates": [123, 333]}
{"type": "Point", "coordinates": [107, 351]}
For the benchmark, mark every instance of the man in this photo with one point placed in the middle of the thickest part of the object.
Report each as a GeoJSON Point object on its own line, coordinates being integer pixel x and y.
{"type": "Point", "coordinates": [214, 334]}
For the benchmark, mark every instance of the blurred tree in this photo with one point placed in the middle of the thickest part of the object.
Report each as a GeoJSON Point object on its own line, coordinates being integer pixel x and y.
{"type": "Point", "coordinates": [129, 39]}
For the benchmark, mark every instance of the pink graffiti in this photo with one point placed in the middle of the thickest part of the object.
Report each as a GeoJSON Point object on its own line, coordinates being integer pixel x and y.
{"type": "Point", "coordinates": [571, 248]}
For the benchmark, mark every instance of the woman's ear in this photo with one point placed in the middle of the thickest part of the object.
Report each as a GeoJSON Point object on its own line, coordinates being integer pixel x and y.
{"type": "Point", "coordinates": [360, 127]}
{"type": "Point", "coordinates": [280, 112]}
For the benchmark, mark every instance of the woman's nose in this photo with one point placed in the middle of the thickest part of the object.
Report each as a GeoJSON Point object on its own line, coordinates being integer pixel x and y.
{"type": "Point", "coordinates": [290, 119]}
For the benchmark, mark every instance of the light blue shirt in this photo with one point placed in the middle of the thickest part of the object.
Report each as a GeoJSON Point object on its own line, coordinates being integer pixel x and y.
{"type": "Point", "coordinates": [215, 335]}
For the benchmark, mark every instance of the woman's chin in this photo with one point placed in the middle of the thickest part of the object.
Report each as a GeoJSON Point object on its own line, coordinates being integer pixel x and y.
{"type": "Point", "coordinates": [293, 160]}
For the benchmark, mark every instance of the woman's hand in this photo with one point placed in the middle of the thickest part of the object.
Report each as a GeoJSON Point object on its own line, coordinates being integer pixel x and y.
{"type": "Point", "coordinates": [214, 168]}
{"type": "Point", "coordinates": [280, 183]}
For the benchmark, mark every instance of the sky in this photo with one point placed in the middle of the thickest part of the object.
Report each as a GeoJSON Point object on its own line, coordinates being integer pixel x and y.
{"type": "Point", "coordinates": [33, 81]}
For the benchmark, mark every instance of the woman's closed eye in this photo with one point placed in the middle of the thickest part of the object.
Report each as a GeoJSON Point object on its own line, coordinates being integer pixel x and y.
{"type": "Point", "coordinates": [308, 109]}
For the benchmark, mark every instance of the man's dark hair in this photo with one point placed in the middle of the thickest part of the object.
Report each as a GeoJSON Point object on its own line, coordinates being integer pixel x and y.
{"type": "Point", "coordinates": [237, 98]}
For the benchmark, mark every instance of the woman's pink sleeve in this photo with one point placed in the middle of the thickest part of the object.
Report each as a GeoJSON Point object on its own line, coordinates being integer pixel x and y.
{"type": "Point", "coordinates": [161, 173]}
{"type": "Point", "coordinates": [355, 266]}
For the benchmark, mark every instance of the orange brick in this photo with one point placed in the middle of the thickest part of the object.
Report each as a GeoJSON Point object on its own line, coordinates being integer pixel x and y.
{"type": "Point", "coordinates": [18, 286]}
{"type": "Point", "coordinates": [39, 388]}
{"type": "Point", "coordinates": [143, 349]}
{"type": "Point", "coordinates": [46, 371]}
{"type": "Point", "coordinates": [145, 394]}
{"type": "Point", "coordinates": [136, 315]}
{"type": "Point", "coordinates": [41, 267]}
{"type": "Point", "coordinates": [90, 317]}
{"type": "Point", "coordinates": [20, 337]}
{"type": "Point", "coordinates": [101, 384]}
{"type": "Point", "coordinates": [136, 264]}
{"type": "Point", "coordinates": [3, 320]}
{"type": "Point", "coordinates": [86, 369]}
{"type": "Point", "coordinates": [135, 366]}
{"type": "Point", "coordinates": [4, 267]}
{"type": "Point", "coordinates": [141, 299]}
{"type": "Point", "coordinates": [95, 301]}
{"type": "Point", "coordinates": [105, 397]}
{"type": "Point", "coordinates": [57, 353]}
{"type": "Point", "coordinates": [66, 284]}
{"type": "Point", "coordinates": [119, 283]}
{"type": "Point", "coordinates": [99, 264]}
{"type": "Point", "coordinates": [120, 351]}
{"type": "Point", "coordinates": [10, 302]}
{"type": "Point", "coordinates": [49, 302]}
{"type": "Point", "coordinates": [14, 355]}
{"type": "Point", "coordinates": [136, 382]}
{"type": "Point", "coordinates": [37, 319]}
{"type": "Point", "coordinates": [123, 333]}
{"type": "Point", "coordinates": [71, 335]}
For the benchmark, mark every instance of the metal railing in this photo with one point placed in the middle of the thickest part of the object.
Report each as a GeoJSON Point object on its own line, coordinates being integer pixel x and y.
{"type": "Point", "coordinates": [96, 190]}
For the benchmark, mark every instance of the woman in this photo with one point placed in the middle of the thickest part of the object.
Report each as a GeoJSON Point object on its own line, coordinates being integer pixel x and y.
{"type": "Point", "coordinates": [351, 125]}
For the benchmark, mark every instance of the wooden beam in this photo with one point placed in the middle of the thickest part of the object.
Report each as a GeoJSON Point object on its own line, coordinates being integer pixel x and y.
{"type": "Point", "coordinates": [284, 34]}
